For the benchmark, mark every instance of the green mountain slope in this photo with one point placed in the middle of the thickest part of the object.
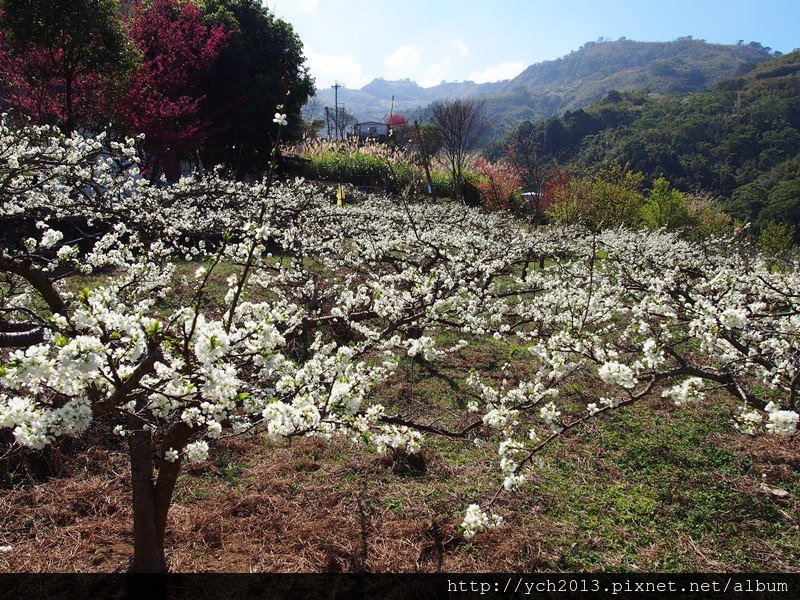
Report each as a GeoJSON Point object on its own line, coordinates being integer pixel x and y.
{"type": "Point", "coordinates": [577, 80]}
{"type": "Point", "coordinates": [739, 141]}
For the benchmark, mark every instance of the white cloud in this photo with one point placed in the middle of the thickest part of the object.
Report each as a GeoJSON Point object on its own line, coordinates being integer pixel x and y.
{"type": "Point", "coordinates": [498, 72]}
{"type": "Point", "coordinates": [402, 62]}
{"type": "Point", "coordinates": [461, 47]}
{"type": "Point", "coordinates": [437, 72]}
{"type": "Point", "coordinates": [407, 62]}
{"type": "Point", "coordinates": [329, 68]}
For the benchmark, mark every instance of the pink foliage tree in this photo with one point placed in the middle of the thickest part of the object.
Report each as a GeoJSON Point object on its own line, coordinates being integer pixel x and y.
{"type": "Point", "coordinates": [395, 120]}
{"type": "Point", "coordinates": [501, 181]}
{"type": "Point", "coordinates": [30, 96]}
{"type": "Point", "coordinates": [177, 47]}
{"type": "Point", "coordinates": [67, 77]}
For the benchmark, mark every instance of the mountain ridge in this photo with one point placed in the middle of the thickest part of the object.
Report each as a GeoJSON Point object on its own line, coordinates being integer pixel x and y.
{"type": "Point", "coordinates": [550, 88]}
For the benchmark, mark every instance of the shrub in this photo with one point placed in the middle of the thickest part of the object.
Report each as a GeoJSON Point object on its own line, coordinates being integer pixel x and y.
{"type": "Point", "coordinates": [707, 217]}
{"type": "Point", "coordinates": [443, 186]}
{"type": "Point", "coordinates": [608, 199]}
{"type": "Point", "coordinates": [500, 185]}
{"type": "Point", "coordinates": [776, 239]}
{"type": "Point", "coordinates": [665, 207]}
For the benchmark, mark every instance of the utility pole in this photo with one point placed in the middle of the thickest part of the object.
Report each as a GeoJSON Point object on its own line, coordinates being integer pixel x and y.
{"type": "Point", "coordinates": [336, 106]}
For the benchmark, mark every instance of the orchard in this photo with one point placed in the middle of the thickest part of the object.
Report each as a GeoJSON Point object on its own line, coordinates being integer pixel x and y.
{"type": "Point", "coordinates": [322, 305]}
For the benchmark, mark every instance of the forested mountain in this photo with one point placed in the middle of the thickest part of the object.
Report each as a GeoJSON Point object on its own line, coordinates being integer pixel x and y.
{"type": "Point", "coordinates": [739, 141]}
{"type": "Point", "coordinates": [548, 89]}
{"type": "Point", "coordinates": [574, 81]}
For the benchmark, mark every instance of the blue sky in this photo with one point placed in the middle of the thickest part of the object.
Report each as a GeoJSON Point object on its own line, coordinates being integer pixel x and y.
{"type": "Point", "coordinates": [429, 41]}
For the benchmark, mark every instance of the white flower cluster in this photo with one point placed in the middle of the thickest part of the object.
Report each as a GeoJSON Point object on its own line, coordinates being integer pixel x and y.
{"type": "Point", "coordinates": [477, 520]}
{"type": "Point", "coordinates": [778, 421]}
{"type": "Point", "coordinates": [36, 428]}
{"type": "Point", "coordinates": [689, 391]}
{"type": "Point", "coordinates": [50, 237]}
{"type": "Point", "coordinates": [733, 317]}
{"type": "Point", "coordinates": [423, 346]}
{"type": "Point", "coordinates": [781, 422]}
{"type": "Point", "coordinates": [398, 438]}
{"type": "Point", "coordinates": [290, 352]}
{"type": "Point", "coordinates": [194, 452]}
{"type": "Point", "coordinates": [615, 373]}
{"type": "Point", "coordinates": [749, 421]}
{"type": "Point", "coordinates": [550, 415]}
{"type": "Point", "coordinates": [500, 417]}
{"type": "Point", "coordinates": [510, 451]}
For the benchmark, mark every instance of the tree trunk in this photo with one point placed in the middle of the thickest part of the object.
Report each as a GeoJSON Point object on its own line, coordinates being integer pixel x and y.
{"type": "Point", "coordinates": [425, 161]}
{"type": "Point", "coordinates": [70, 122]}
{"type": "Point", "coordinates": [152, 498]}
{"type": "Point", "coordinates": [148, 541]}
{"type": "Point", "coordinates": [458, 189]}
{"type": "Point", "coordinates": [171, 164]}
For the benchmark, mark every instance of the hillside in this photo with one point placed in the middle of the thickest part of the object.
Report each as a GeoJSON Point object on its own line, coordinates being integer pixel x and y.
{"type": "Point", "coordinates": [739, 141]}
{"type": "Point", "coordinates": [574, 81]}
{"type": "Point", "coordinates": [548, 89]}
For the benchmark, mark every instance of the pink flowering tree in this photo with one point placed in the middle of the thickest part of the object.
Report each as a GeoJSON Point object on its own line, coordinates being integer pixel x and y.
{"type": "Point", "coordinates": [501, 182]}
{"type": "Point", "coordinates": [177, 47]}
{"type": "Point", "coordinates": [395, 120]}
{"type": "Point", "coordinates": [62, 61]}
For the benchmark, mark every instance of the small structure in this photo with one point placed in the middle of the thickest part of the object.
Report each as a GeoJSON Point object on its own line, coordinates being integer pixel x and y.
{"type": "Point", "coordinates": [373, 130]}
{"type": "Point", "coordinates": [530, 202]}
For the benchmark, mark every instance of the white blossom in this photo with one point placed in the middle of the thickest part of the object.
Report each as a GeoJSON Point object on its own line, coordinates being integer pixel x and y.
{"type": "Point", "coordinates": [477, 520]}
{"type": "Point", "coordinates": [196, 451]}
{"type": "Point", "coordinates": [616, 373]}
{"type": "Point", "coordinates": [689, 391]}
{"type": "Point", "coordinates": [262, 356]}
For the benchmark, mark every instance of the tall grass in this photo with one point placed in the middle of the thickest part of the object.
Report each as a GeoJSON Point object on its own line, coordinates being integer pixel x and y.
{"type": "Point", "coordinates": [377, 165]}
{"type": "Point", "coordinates": [370, 164]}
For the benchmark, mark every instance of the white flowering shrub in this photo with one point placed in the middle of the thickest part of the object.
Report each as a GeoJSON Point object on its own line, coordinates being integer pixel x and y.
{"type": "Point", "coordinates": [611, 320]}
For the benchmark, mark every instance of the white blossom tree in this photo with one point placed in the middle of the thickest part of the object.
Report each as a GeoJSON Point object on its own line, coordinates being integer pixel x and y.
{"type": "Point", "coordinates": [321, 303]}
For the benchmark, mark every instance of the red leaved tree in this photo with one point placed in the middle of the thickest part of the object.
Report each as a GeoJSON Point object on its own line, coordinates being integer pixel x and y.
{"type": "Point", "coordinates": [61, 62]}
{"type": "Point", "coordinates": [501, 182]}
{"type": "Point", "coordinates": [177, 48]}
{"type": "Point", "coordinates": [555, 188]}
{"type": "Point", "coordinates": [395, 120]}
